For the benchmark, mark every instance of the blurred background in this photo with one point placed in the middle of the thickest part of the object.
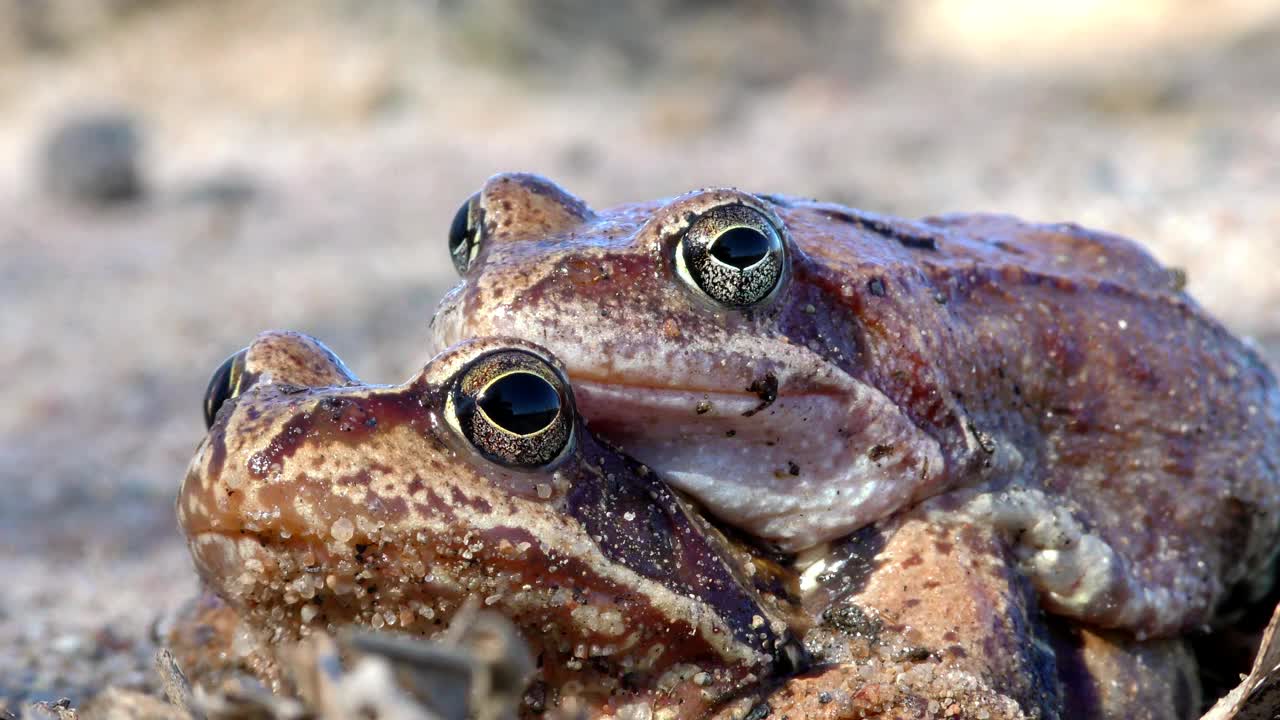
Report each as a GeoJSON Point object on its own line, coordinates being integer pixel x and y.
{"type": "Point", "coordinates": [179, 175]}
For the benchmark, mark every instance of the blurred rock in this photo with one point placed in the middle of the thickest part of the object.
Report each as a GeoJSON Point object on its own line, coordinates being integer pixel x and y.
{"type": "Point", "coordinates": [580, 157]}
{"type": "Point", "coordinates": [92, 159]}
{"type": "Point", "coordinates": [120, 704]}
{"type": "Point", "coordinates": [246, 699]}
{"type": "Point", "coordinates": [228, 189]}
{"type": "Point", "coordinates": [175, 685]}
{"type": "Point", "coordinates": [56, 710]}
{"type": "Point", "coordinates": [477, 669]}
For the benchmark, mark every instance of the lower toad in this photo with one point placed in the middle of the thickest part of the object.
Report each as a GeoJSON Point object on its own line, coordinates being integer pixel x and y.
{"type": "Point", "coordinates": [317, 501]}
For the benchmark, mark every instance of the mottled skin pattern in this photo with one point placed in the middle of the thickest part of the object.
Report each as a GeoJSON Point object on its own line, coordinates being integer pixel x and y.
{"type": "Point", "coordinates": [317, 501]}
{"type": "Point", "coordinates": [1051, 383]}
{"type": "Point", "coordinates": [930, 619]}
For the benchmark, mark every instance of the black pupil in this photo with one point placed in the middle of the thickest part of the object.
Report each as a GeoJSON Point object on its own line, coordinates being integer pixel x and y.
{"type": "Point", "coordinates": [520, 403]}
{"type": "Point", "coordinates": [458, 230]}
{"type": "Point", "coordinates": [740, 247]}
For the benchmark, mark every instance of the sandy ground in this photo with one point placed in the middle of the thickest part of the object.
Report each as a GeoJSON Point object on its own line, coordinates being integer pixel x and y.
{"type": "Point", "coordinates": [304, 160]}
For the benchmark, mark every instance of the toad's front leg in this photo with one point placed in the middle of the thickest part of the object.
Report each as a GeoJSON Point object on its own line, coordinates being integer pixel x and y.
{"type": "Point", "coordinates": [920, 618]}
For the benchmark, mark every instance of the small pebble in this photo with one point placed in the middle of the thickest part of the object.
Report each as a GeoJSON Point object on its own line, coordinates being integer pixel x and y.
{"type": "Point", "coordinates": [93, 159]}
{"type": "Point", "coordinates": [342, 530]}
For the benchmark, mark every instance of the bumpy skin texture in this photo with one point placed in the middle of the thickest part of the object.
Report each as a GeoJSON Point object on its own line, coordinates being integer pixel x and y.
{"type": "Point", "coordinates": [1049, 382]}
{"type": "Point", "coordinates": [920, 618]}
{"type": "Point", "coordinates": [317, 501]}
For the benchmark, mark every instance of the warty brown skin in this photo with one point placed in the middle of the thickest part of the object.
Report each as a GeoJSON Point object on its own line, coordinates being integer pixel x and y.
{"type": "Point", "coordinates": [317, 501]}
{"type": "Point", "coordinates": [930, 618]}
{"type": "Point", "coordinates": [1051, 382]}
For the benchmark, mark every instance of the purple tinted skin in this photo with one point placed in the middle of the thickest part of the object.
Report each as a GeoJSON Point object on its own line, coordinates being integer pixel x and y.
{"type": "Point", "coordinates": [1047, 381]}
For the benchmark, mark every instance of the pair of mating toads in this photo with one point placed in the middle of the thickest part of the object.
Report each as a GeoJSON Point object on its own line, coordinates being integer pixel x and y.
{"type": "Point", "coordinates": [736, 455]}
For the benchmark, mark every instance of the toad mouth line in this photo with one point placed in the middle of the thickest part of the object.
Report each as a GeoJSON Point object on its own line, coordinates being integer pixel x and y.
{"type": "Point", "coordinates": [648, 393]}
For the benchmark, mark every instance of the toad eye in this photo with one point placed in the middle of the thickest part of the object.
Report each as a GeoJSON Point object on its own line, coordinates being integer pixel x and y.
{"type": "Point", "coordinates": [733, 254]}
{"type": "Point", "coordinates": [514, 408]}
{"type": "Point", "coordinates": [464, 234]}
{"type": "Point", "coordinates": [223, 386]}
